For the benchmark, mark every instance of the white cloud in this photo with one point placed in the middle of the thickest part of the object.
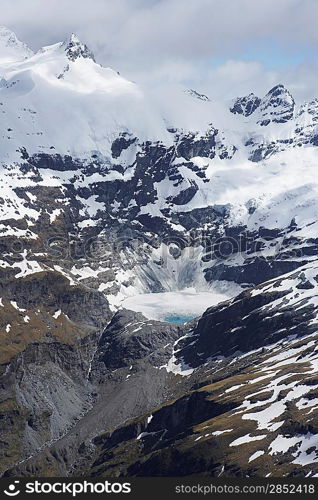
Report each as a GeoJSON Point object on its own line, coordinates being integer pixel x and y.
{"type": "Point", "coordinates": [177, 40]}
{"type": "Point", "coordinates": [237, 78]}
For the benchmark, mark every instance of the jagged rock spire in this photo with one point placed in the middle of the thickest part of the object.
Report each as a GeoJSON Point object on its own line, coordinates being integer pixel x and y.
{"type": "Point", "coordinates": [74, 49]}
{"type": "Point", "coordinates": [245, 105]}
{"type": "Point", "coordinates": [277, 106]}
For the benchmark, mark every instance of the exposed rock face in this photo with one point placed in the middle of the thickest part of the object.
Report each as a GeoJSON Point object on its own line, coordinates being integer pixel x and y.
{"type": "Point", "coordinates": [277, 106]}
{"type": "Point", "coordinates": [197, 95]}
{"type": "Point", "coordinates": [100, 382]}
{"type": "Point", "coordinates": [51, 334]}
{"type": "Point", "coordinates": [246, 105]}
{"type": "Point", "coordinates": [240, 422]}
{"type": "Point", "coordinates": [74, 48]}
{"type": "Point", "coordinates": [129, 337]}
{"type": "Point", "coordinates": [189, 146]}
{"type": "Point", "coordinates": [255, 318]}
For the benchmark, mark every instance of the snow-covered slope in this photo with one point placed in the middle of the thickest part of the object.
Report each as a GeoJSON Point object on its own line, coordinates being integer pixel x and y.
{"type": "Point", "coordinates": [61, 100]}
{"type": "Point", "coordinates": [11, 49]}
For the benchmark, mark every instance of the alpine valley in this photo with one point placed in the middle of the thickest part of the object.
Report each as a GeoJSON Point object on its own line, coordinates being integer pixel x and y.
{"type": "Point", "coordinates": [158, 274]}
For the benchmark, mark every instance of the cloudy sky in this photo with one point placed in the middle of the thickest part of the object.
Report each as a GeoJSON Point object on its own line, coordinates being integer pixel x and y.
{"type": "Point", "coordinates": [221, 47]}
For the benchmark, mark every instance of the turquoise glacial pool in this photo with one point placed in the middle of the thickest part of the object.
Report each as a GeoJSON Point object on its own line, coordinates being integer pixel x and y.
{"type": "Point", "coordinates": [178, 319]}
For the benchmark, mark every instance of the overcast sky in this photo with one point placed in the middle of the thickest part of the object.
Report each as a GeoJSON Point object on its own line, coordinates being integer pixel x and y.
{"type": "Point", "coordinates": [221, 47]}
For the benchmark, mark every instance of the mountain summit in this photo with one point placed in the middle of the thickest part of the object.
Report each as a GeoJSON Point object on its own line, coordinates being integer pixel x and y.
{"type": "Point", "coordinates": [11, 49]}
{"type": "Point", "coordinates": [277, 106]}
{"type": "Point", "coordinates": [74, 48]}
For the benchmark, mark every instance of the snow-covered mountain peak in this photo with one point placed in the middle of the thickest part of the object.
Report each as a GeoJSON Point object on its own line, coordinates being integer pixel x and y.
{"type": "Point", "coordinates": [101, 105]}
{"type": "Point", "coordinates": [74, 49]}
{"type": "Point", "coordinates": [62, 84]}
{"type": "Point", "coordinates": [277, 106]}
{"type": "Point", "coordinates": [278, 89]}
{"type": "Point", "coordinates": [11, 49]}
{"type": "Point", "coordinates": [245, 105]}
